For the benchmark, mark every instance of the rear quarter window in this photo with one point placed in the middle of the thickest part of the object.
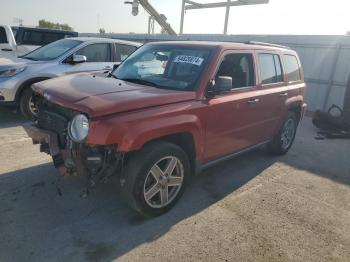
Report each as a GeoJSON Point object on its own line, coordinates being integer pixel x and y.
{"type": "Point", "coordinates": [292, 68]}
{"type": "Point", "coordinates": [270, 69]}
{"type": "Point", "coordinates": [122, 51]}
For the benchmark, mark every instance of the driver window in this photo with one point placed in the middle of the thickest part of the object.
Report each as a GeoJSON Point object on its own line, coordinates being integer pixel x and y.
{"type": "Point", "coordinates": [96, 52]}
{"type": "Point", "coordinates": [240, 68]}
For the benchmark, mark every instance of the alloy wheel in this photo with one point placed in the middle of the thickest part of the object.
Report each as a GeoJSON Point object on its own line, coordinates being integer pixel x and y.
{"type": "Point", "coordinates": [32, 108]}
{"type": "Point", "coordinates": [288, 133]}
{"type": "Point", "coordinates": [163, 182]}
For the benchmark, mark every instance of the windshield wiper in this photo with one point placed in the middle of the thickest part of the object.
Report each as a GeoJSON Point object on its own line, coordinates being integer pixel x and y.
{"type": "Point", "coordinates": [29, 58]}
{"type": "Point", "coordinates": [140, 81]}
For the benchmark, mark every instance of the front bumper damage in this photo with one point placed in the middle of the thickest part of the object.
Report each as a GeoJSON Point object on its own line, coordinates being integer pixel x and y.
{"type": "Point", "coordinates": [97, 163]}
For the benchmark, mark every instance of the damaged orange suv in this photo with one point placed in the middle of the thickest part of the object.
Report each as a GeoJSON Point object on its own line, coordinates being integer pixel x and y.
{"type": "Point", "coordinates": [168, 111]}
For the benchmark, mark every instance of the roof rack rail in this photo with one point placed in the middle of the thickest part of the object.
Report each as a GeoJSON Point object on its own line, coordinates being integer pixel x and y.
{"type": "Point", "coordinates": [267, 44]}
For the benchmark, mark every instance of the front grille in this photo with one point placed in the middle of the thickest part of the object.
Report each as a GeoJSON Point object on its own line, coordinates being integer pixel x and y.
{"type": "Point", "coordinates": [55, 123]}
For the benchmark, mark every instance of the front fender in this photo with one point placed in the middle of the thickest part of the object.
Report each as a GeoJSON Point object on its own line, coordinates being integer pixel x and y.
{"type": "Point", "coordinates": [130, 136]}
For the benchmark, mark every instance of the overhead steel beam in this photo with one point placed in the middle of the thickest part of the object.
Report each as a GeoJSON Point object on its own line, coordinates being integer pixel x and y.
{"type": "Point", "coordinates": [190, 5]}
{"type": "Point", "coordinates": [158, 17]}
{"type": "Point", "coordinates": [194, 5]}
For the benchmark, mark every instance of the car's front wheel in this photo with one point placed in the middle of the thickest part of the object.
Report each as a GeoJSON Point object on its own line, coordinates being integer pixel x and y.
{"type": "Point", "coordinates": [26, 104]}
{"type": "Point", "coordinates": [155, 178]}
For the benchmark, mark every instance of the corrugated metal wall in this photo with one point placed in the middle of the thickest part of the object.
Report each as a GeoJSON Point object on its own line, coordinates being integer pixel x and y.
{"type": "Point", "coordinates": [326, 60]}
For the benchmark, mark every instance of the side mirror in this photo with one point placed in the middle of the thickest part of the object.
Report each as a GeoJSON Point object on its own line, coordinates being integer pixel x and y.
{"type": "Point", "coordinates": [222, 84]}
{"type": "Point", "coordinates": [78, 59]}
{"type": "Point", "coordinates": [115, 66]}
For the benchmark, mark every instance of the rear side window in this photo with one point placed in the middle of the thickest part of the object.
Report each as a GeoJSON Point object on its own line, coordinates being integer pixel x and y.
{"type": "Point", "coordinates": [96, 52]}
{"type": "Point", "coordinates": [3, 37]}
{"type": "Point", "coordinates": [292, 68]}
{"type": "Point", "coordinates": [240, 67]}
{"type": "Point", "coordinates": [123, 51]}
{"type": "Point", "coordinates": [270, 69]}
{"type": "Point", "coordinates": [32, 38]}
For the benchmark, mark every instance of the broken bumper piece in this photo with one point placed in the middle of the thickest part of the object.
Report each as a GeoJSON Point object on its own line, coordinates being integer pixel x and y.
{"type": "Point", "coordinates": [50, 141]}
{"type": "Point", "coordinates": [40, 136]}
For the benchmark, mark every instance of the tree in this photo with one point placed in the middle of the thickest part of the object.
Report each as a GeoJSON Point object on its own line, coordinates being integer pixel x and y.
{"type": "Point", "coordinates": [50, 25]}
{"type": "Point", "coordinates": [102, 31]}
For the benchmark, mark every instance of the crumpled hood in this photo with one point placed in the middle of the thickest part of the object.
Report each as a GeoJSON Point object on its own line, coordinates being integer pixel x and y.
{"type": "Point", "coordinates": [97, 95]}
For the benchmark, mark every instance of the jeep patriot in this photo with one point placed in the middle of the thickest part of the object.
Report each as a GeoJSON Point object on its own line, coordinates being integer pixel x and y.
{"type": "Point", "coordinates": [168, 111]}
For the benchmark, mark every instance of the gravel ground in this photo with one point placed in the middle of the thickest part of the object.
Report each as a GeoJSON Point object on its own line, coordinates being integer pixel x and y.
{"type": "Point", "coordinates": [252, 208]}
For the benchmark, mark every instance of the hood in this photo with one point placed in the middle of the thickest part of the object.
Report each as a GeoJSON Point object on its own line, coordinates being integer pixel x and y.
{"type": "Point", "coordinates": [9, 62]}
{"type": "Point", "coordinates": [97, 95]}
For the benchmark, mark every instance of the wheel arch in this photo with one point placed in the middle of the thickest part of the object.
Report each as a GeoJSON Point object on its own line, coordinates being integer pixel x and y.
{"type": "Point", "coordinates": [184, 140]}
{"type": "Point", "coordinates": [297, 109]}
{"type": "Point", "coordinates": [27, 83]}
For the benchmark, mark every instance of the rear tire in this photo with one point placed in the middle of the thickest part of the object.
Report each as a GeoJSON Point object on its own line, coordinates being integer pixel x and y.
{"type": "Point", "coordinates": [155, 178]}
{"type": "Point", "coordinates": [26, 105]}
{"type": "Point", "coordinates": [283, 141]}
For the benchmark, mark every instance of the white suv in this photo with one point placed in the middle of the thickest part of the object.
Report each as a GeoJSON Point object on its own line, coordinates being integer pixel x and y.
{"type": "Point", "coordinates": [66, 56]}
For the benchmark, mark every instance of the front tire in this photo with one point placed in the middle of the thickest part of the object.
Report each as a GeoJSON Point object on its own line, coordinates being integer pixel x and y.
{"type": "Point", "coordinates": [26, 104]}
{"type": "Point", "coordinates": [155, 178]}
{"type": "Point", "coordinates": [283, 141]}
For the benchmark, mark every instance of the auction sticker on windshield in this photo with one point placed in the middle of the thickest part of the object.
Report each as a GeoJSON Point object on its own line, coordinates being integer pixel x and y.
{"type": "Point", "coordinates": [194, 60]}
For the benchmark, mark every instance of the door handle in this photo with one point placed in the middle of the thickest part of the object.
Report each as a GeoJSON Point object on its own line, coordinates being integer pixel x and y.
{"type": "Point", "coordinates": [253, 101]}
{"type": "Point", "coordinates": [6, 49]}
{"type": "Point", "coordinates": [284, 94]}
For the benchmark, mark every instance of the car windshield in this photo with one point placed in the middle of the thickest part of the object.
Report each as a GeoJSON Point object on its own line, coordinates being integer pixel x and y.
{"type": "Point", "coordinates": [52, 50]}
{"type": "Point", "coordinates": [165, 66]}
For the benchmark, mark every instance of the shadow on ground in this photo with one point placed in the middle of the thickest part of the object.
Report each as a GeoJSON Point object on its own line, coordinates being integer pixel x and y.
{"type": "Point", "coordinates": [38, 224]}
{"type": "Point", "coordinates": [9, 117]}
{"type": "Point", "coordinates": [100, 227]}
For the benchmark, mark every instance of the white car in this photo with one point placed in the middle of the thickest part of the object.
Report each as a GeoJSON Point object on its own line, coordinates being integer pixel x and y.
{"type": "Point", "coordinates": [65, 56]}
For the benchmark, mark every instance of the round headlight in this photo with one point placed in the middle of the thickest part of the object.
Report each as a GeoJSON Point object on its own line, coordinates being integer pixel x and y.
{"type": "Point", "coordinates": [78, 128]}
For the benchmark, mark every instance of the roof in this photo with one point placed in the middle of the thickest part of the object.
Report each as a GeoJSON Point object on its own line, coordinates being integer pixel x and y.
{"type": "Point", "coordinates": [97, 39]}
{"type": "Point", "coordinates": [45, 29]}
{"type": "Point", "coordinates": [225, 45]}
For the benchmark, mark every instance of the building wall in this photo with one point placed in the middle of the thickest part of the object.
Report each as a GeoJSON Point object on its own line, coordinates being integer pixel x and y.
{"type": "Point", "coordinates": [325, 59]}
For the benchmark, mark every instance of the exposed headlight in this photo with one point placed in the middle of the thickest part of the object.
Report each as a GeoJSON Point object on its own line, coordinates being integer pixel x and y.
{"type": "Point", "coordinates": [78, 128]}
{"type": "Point", "coordinates": [11, 71]}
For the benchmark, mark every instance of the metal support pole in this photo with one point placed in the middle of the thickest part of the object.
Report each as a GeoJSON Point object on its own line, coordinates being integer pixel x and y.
{"type": "Point", "coordinates": [149, 24]}
{"type": "Point", "coordinates": [227, 16]}
{"type": "Point", "coordinates": [182, 16]}
{"type": "Point", "coordinates": [331, 78]}
{"type": "Point", "coordinates": [190, 5]}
